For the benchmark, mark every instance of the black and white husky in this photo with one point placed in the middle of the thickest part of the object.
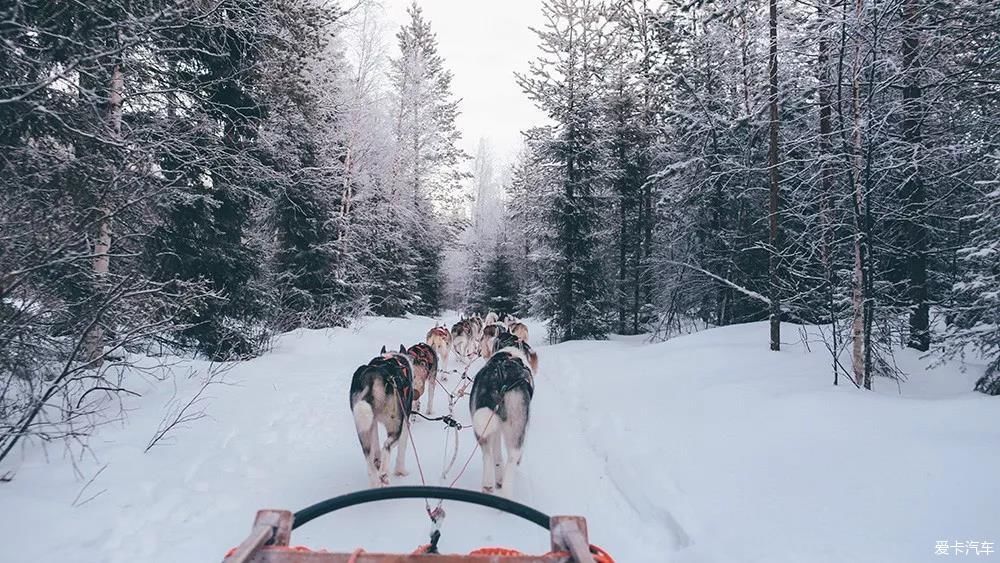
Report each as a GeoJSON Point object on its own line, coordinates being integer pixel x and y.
{"type": "Point", "coordinates": [500, 403]}
{"type": "Point", "coordinates": [511, 340]}
{"type": "Point", "coordinates": [382, 392]}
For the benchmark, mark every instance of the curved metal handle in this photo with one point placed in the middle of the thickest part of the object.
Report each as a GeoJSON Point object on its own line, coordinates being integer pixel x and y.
{"type": "Point", "coordinates": [446, 493]}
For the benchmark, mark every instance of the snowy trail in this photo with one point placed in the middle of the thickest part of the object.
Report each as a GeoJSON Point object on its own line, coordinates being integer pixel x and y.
{"type": "Point", "coordinates": [706, 448]}
{"type": "Point", "coordinates": [281, 435]}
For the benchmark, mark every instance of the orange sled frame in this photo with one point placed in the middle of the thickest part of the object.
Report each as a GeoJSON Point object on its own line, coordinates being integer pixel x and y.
{"type": "Point", "coordinates": [269, 540]}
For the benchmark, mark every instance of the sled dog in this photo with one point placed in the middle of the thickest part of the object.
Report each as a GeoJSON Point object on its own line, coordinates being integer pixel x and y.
{"type": "Point", "coordinates": [425, 371]}
{"type": "Point", "coordinates": [461, 336]}
{"type": "Point", "coordinates": [465, 337]}
{"type": "Point", "coordinates": [491, 318]}
{"type": "Point", "coordinates": [439, 338]}
{"type": "Point", "coordinates": [510, 340]}
{"type": "Point", "coordinates": [490, 332]}
{"type": "Point", "coordinates": [519, 329]}
{"type": "Point", "coordinates": [382, 393]}
{"type": "Point", "coordinates": [499, 403]}
{"type": "Point", "coordinates": [476, 322]}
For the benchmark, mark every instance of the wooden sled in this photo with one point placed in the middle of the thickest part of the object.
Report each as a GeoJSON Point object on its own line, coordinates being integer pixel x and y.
{"type": "Point", "coordinates": [269, 539]}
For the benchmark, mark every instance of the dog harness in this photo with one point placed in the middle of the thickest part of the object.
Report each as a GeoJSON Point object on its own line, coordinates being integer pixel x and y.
{"type": "Point", "coordinates": [423, 354]}
{"type": "Point", "coordinates": [521, 380]}
{"type": "Point", "coordinates": [399, 375]}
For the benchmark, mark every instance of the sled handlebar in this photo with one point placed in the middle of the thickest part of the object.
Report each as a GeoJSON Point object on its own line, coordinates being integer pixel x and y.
{"type": "Point", "coordinates": [414, 491]}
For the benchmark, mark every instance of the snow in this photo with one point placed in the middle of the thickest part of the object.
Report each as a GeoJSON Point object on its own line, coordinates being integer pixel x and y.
{"type": "Point", "coordinates": [704, 448]}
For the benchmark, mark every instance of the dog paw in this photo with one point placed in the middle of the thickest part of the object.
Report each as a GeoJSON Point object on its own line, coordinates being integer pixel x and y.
{"type": "Point", "coordinates": [488, 490]}
{"type": "Point", "coordinates": [400, 472]}
{"type": "Point", "coordinates": [384, 479]}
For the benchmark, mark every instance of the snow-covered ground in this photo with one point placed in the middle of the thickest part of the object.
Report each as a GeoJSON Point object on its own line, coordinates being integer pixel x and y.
{"type": "Point", "coordinates": [705, 448]}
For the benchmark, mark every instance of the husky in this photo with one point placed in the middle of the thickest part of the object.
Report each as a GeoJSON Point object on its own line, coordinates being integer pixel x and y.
{"type": "Point", "coordinates": [461, 337]}
{"type": "Point", "coordinates": [491, 318]}
{"type": "Point", "coordinates": [382, 392]}
{"type": "Point", "coordinates": [499, 403]}
{"type": "Point", "coordinates": [439, 338]}
{"type": "Point", "coordinates": [510, 340]}
{"type": "Point", "coordinates": [477, 325]}
{"type": "Point", "coordinates": [466, 334]}
{"type": "Point", "coordinates": [519, 329]}
{"type": "Point", "coordinates": [425, 371]}
{"type": "Point", "coordinates": [490, 332]}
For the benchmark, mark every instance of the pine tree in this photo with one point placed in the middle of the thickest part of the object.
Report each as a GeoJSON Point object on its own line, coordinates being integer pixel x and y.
{"type": "Point", "coordinates": [300, 141]}
{"type": "Point", "coordinates": [208, 231]}
{"type": "Point", "coordinates": [499, 291]}
{"type": "Point", "coordinates": [389, 260]}
{"type": "Point", "coordinates": [534, 186]}
{"type": "Point", "coordinates": [572, 97]}
{"type": "Point", "coordinates": [632, 96]}
{"type": "Point", "coordinates": [426, 184]}
{"type": "Point", "coordinates": [975, 326]}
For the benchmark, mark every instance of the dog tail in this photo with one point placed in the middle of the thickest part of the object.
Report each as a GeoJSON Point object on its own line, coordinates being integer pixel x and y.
{"type": "Point", "coordinates": [485, 422]}
{"type": "Point", "coordinates": [364, 416]}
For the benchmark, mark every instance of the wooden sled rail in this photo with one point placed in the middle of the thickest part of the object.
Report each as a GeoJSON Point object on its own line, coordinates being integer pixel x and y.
{"type": "Point", "coordinates": [269, 539]}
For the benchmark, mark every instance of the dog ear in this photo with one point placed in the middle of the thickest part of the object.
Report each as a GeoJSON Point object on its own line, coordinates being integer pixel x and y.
{"type": "Point", "coordinates": [383, 349]}
{"type": "Point", "coordinates": [402, 349]}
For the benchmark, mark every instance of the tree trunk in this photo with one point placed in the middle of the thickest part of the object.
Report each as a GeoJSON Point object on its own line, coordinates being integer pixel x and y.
{"type": "Point", "coordinates": [772, 157]}
{"type": "Point", "coordinates": [622, 298]}
{"type": "Point", "coordinates": [916, 215]}
{"type": "Point", "coordinates": [571, 242]}
{"type": "Point", "coordinates": [858, 294]}
{"type": "Point", "coordinates": [826, 175]}
{"type": "Point", "coordinates": [94, 339]}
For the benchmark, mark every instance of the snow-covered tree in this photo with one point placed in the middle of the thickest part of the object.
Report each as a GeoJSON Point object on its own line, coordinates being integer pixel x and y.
{"type": "Point", "coordinates": [426, 183]}
{"type": "Point", "coordinates": [975, 321]}
{"type": "Point", "coordinates": [302, 140]}
{"type": "Point", "coordinates": [565, 83]}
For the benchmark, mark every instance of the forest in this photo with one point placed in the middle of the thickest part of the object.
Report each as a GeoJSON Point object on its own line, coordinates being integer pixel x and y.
{"type": "Point", "coordinates": [196, 177]}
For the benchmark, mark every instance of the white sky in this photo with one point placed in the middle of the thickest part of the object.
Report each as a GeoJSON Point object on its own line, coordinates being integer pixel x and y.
{"type": "Point", "coordinates": [483, 43]}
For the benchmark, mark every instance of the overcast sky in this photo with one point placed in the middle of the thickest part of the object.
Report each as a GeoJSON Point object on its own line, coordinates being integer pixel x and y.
{"type": "Point", "coordinates": [483, 43]}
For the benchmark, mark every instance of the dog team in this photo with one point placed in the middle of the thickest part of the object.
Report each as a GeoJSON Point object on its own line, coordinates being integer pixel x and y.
{"type": "Point", "coordinates": [387, 390]}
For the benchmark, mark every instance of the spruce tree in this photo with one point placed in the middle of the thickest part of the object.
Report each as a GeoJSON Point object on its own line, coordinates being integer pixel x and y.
{"type": "Point", "coordinates": [499, 291]}
{"type": "Point", "coordinates": [975, 322]}
{"type": "Point", "coordinates": [427, 182]}
{"type": "Point", "coordinates": [300, 141]}
{"type": "Point", "coordinates": [573, 97]}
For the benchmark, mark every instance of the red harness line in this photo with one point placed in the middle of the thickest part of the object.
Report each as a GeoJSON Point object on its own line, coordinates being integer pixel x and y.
{"type": "Point", "coordinates": [473, 453]}
{"type": "Point", "coordinates": [416, 455]}
{"type": "Point", "coordinates": [435, 515]}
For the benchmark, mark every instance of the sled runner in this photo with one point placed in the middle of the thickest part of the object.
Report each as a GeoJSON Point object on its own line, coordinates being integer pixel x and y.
{"type": "Point", "coordinates": [271, 534]}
